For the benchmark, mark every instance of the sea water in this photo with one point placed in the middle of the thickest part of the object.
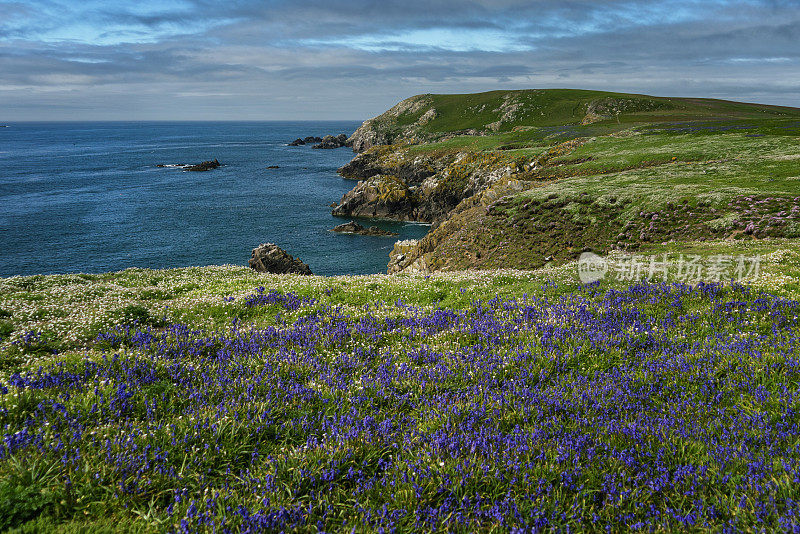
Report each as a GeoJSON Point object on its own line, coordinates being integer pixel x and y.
{"type": "Point", "coordinates": [89, 197]}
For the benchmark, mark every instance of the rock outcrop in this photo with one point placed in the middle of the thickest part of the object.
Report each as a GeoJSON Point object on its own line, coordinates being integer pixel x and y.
{"type": "Point", "coordinates": [418, 256]}
{"type": "Point", "coordinates": [381, 196]}
{"type": "Point", "coordinates": [398, 183]}
{"type": "Point", "coordinates": [609, 108]}
{"type": "Point", "coordinates": [406, 258]}
{"type": "Point", "coordinates": [330, 141]}
{"type": "Point", "coordinates": [412, 121]}
{"type": "Point", "coordinates": [353, 227]}
{"type": "Point", "coordinates": [270, 258]}
{"type": "Point", "coordinates": [204, 166]}
{"type": "Point", "coordinates": [305, 140]}
{"type": "Point", "coordinates": [448, 189]}
{"type": "Point", "coordinates": [395, 161]}
{"type": "Point", "coordinates": [385, 129]}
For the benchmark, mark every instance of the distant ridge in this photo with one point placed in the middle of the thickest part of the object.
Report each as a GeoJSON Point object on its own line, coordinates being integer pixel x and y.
{"type": "Point", "coordinates": [427, 117]}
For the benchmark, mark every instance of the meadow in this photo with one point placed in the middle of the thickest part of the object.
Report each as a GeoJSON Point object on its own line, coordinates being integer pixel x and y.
{"type": "Point", "coordinates": [221, 400]}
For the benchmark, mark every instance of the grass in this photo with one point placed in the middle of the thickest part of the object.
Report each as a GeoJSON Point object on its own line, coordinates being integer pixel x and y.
{"type": "Point", "coordinates": [624, 189]}
{"type": "Point", "coordinates": [453, 402]}
{"type": "Point", "coordinates": [562, 109]}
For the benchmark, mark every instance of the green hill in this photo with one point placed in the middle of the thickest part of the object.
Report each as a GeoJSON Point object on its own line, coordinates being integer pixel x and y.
{"type": "Point", "coordinates": [427, 117]}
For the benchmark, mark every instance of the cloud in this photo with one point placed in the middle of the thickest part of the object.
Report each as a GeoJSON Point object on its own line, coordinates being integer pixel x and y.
{"type": "Point", "coordinates": [279, 59]}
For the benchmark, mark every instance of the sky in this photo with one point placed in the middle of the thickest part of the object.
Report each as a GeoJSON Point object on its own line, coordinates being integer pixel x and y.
{"type": "Point", "coordinates": [330, 59]}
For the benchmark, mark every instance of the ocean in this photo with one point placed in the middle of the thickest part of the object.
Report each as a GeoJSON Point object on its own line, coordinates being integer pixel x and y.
{"type": "Point", "coordinates": [89, 197]}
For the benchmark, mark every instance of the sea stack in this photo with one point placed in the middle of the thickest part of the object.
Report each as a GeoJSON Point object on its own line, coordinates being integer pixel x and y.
{"type": "Point", "coordinates": [270, 258]}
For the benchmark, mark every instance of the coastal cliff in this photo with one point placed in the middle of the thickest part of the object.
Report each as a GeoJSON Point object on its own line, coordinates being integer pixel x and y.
{"type": "Point", "coordinates": [521, 179]}
{"type": "Point", "coordinates": [402, 183]}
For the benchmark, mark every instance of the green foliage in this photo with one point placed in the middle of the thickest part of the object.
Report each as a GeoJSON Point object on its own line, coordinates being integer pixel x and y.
{"type": "Point", "coordinates": [155, 294]}
{"type": "Point", "coordinates": [34, 498]}
{"type": "Point", "coordinates": [25, 490]}
{"type": "Point", "coordinates": [693, 177]}
{"type": "Point", "coordinates": [6, 327]}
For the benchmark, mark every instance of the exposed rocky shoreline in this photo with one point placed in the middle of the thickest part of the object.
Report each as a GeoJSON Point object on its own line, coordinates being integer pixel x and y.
{"type": "Point", "coordinates": [305, 141]}
{"type": "Point", "coordinates": [198, 167]}
{"type": "Point", "coordinates": [327, 142]}
{"type": "Point", "coordinates": [398, 183]}
{"type": "Point", "coordinates": [557, 173]}
{"type": "Point", "coordinates": [353, 227]}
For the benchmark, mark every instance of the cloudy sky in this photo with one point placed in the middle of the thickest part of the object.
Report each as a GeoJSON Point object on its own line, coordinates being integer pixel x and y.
{"type": "Point", "coordinates": [330, 59]}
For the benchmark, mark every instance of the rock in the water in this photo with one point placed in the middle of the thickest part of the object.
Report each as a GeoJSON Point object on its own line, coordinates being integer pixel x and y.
{"type": "Point", "coordinates": [300, 141]}
{"type": "Point", "coordinates": [354, 228]}
{"type": "Point", "coordinates": [274, 167]}
{"type": "Point", "coordinates": [348, 228]}
{"type": "Point", "coordinates": [374, 230]}
{"type": "Point", "coordinates": [270, 258]}
{"type": "Point", "coordinates": [330, 141]}
{"type": "Point", "coordinates": [204, 166]}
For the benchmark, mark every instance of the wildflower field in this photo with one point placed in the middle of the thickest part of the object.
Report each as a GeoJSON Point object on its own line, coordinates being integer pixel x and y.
{"type": "Point", "coordinates": [220, 400]}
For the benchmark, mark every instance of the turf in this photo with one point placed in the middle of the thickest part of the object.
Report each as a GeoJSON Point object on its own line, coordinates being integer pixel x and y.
{"type": "Point", "coordinates": [625, 189]}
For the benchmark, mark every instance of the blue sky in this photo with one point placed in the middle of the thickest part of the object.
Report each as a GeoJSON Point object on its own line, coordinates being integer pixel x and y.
{"type": "Point", "coordinates": [243, 59]}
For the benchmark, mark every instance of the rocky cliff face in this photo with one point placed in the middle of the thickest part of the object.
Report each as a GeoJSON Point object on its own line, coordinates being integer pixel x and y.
{"type": "Point", "coordinates": [417, 256]}
{"type": "Point", "coordinates": [403, 184]}
{"type": "Point", "coordinates": [490, 177]}
{"type": "Point", "coordinates": [380, 196]}
{"type": "Point", "coordinates": [388, 128]}
{"type": "Point", "coordinates": [445, 188]}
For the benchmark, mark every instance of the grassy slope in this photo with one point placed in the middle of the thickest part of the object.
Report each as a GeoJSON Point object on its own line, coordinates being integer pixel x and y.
{"type": "Point", "coordinates": [559, 107]}
{"type": "Point", "coordinates": [701, 179]}
{"type": "Point", "coordinates": [69, 311]}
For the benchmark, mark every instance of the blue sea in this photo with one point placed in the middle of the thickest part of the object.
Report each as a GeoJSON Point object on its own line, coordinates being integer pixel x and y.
{"type": "Point", "coordinates": [89, 197]}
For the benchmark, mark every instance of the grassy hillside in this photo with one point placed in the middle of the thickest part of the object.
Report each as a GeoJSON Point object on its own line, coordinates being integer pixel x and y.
{"type": "Point", "coordinates": [430, 116]}
{"type": "Point", "coordinates": [560, 190]}
{"type": "Point", "coordinates": [556, 107]}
